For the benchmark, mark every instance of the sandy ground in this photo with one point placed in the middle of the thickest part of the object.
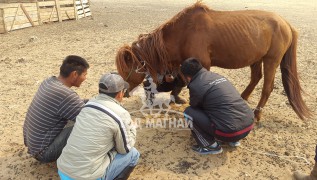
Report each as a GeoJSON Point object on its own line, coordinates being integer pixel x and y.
{"type": "Point", "coordinates": [283, 145]}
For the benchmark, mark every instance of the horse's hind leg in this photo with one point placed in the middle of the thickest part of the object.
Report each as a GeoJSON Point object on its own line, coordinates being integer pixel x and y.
{"type": "Point", "coordinates": [256, 75]}
{"type": "Point", "coordinates": [270, 66]}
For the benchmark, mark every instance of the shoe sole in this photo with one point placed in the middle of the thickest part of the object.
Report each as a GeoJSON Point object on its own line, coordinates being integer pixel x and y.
{"type": "Point", "coordinates": [229, 144]}
{"type": "Point", "coordinates": [234, 145]}
{"type": "Point", "coordinates": [210, 152]}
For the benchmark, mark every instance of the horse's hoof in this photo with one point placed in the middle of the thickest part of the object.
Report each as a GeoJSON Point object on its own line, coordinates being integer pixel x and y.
{"type": "Point", "coordinates": [257, 115]}
{"type": "Point", "coordinates": [258, 124]}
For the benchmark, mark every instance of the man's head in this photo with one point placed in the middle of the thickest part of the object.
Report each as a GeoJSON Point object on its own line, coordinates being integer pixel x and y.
{"type": "Point", "coordinates": [74, 70]}
{"type": "Point", "coordinates": [113, 85]}
{"type": "Point", "coordinates": [190, 67]}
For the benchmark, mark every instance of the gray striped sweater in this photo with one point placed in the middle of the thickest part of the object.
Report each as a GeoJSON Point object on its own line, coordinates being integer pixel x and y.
{"type": "Point", "coordinates": [52, 106]}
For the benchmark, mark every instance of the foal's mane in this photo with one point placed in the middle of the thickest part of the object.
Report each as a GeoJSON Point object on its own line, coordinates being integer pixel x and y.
{"type": "Point", "coordinates": [151, 49]}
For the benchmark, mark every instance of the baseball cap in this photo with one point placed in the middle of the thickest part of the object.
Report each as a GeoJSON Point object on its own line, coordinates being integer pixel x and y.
{"type": "Point", "coordinates": [112, 83]}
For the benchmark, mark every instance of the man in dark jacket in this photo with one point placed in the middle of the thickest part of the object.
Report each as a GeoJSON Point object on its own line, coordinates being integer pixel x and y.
{"type": "Point", "coordinates": [217, 111]}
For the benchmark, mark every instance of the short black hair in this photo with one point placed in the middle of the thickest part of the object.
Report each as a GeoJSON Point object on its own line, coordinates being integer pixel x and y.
{"type": "Point", "coordinates": [73, 63]}
{"type": "Point", "coordinates": [190, 67]}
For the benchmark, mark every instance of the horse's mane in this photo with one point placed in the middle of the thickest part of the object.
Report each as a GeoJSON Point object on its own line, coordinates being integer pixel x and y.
{"type": "Point", "coordinates": [150, 48]}
{"type": "Point", "coordinates": [197, 6]}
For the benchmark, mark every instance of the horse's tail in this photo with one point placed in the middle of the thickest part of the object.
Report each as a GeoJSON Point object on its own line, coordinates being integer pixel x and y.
{"type": "Point", "coordinates": [291, 81]}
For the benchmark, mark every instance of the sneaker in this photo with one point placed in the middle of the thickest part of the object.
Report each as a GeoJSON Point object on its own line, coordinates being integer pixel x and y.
{"type": "Point", "coordinates": [231, 144]}
{"type": "Point", "coordinates": [234, 144]}
{"type": "Point", "coordinates": [207, 149]}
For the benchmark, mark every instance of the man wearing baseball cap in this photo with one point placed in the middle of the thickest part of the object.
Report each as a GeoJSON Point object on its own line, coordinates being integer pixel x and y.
{"type": "Point", "coordinates": [101, 143]}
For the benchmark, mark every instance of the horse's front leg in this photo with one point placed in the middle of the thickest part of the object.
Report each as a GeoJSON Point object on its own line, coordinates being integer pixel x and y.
{"type": "Point", "coordinates": [175, 92]}
{"type": "Point", "coordinates": [177, 89]}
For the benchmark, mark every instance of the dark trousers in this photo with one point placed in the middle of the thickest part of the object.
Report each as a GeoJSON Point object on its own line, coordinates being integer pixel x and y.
{"type": "Point", "coordinates": [204, 130]}
{"type": "Point", "coordinates": [54, 150]}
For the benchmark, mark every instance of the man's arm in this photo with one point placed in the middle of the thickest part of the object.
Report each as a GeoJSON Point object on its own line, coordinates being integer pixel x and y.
{"type": "Point", "coordinates": [70, 107]}
{"type": "Point", "coordinates": [126, 135]}
{"type": "Point", "coordinates": [194, 99]}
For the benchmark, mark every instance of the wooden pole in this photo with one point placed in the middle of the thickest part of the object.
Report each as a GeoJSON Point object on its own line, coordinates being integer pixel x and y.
{"type": "Point", "coordinates": [75, 10]}
{"type": "Point", "coordinates": [67, 15]}
{"type": "Point", "coordinates": [82, 5]}
{"type": "Point", "coordinates": [38, 13]}
{"type": "Point", "coordinates": [4, 24]}
{"type": "Point", "coordinates": [58, 9]}
{"type": "Point", "coordinates": [27, 15]}
{"type": "Point", "coordinates": [16, 13]}
{"type": "Point", "coordinates": [49, 20]}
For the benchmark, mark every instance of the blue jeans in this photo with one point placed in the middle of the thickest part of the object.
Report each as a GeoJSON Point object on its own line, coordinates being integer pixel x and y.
{"type": "Point", "coordinates": [120, 162]}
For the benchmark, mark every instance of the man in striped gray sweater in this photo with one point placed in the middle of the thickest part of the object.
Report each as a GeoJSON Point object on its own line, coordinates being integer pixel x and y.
{"type": "Point", "coordinates": [52, 106]}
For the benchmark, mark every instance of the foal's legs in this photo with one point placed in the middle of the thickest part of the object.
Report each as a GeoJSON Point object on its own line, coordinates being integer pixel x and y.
{"type": "Point", "coordinates": [256, 75]}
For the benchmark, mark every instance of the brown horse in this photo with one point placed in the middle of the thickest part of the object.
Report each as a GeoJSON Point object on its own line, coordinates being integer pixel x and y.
{"type": "Point", "coordinates": [227, 39]}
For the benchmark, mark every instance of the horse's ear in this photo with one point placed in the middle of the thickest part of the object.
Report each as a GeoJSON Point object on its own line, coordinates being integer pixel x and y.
{"type": "Point", "coordinates": [127, 55]}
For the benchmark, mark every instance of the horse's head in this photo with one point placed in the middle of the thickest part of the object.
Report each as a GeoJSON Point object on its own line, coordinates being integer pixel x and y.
{"type": "Point", "coordinates": [129, 67]}
{"type": "Point", "coordinates": [146, 55]}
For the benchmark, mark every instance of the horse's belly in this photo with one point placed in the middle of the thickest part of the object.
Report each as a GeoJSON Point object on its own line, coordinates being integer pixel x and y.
{"type": "Point", "coordinates": [232, 63]}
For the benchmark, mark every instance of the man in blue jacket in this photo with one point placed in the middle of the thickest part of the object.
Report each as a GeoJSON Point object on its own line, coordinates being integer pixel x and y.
{"type": "Point", "coordinates": [217, 111]}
